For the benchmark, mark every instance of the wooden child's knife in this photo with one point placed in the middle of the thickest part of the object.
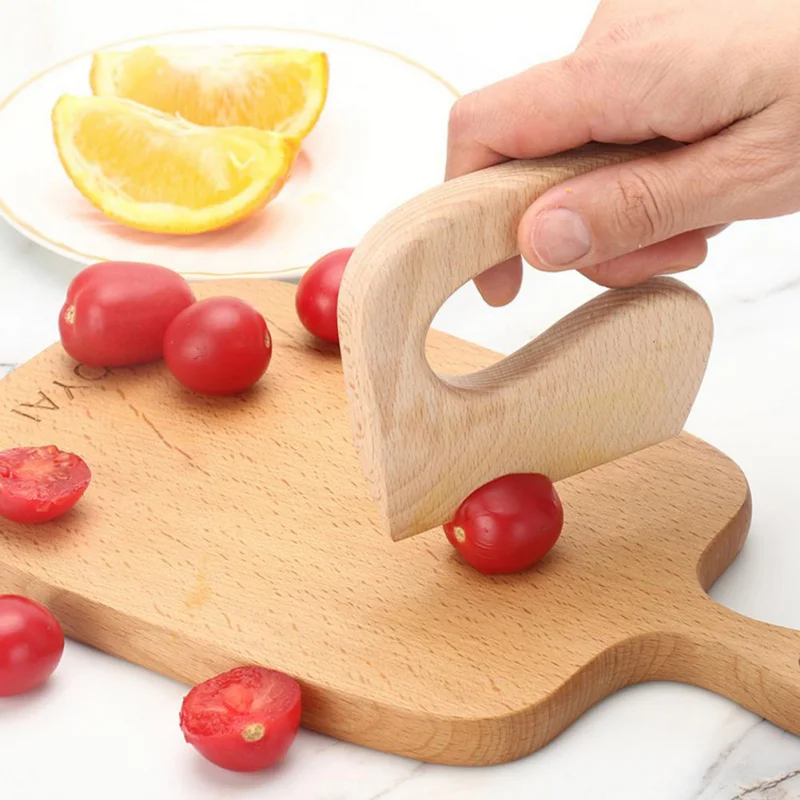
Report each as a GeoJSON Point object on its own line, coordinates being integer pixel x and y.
{"type": "Point", "coordinates": [617, 375]}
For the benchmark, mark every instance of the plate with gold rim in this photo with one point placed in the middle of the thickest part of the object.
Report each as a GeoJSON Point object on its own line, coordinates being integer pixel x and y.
{"type": "Point", "coordinates": [380, 140]}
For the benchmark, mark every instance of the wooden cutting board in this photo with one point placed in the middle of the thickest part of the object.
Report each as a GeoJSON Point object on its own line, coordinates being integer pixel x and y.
{"type": "Point", "coordinates": [219, 532]}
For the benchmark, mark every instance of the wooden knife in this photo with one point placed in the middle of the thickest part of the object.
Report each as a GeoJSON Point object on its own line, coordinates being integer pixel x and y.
{"type": "Point", "coordinates": [617, 375]}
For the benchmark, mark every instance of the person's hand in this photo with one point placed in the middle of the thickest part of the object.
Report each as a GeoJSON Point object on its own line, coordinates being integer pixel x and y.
{"type": "Point", "coordinates": [721, 76]}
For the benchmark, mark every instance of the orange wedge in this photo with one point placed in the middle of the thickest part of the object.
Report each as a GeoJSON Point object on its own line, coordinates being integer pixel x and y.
{"type": "Point", "coordinates": [158, 173]}
{"type": "Point", "coordinates": [274, 90]}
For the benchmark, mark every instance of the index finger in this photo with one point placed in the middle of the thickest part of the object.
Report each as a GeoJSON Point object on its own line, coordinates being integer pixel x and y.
{"type": "Point", "coordinates": [465, 153]}
{"type": "Point", "coordinates": [533, 114]}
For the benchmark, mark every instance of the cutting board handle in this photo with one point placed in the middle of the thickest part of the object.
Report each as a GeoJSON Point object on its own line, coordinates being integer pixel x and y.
{"type": "Point", "coordinates": [753, 663]}
{"type": "Point", "coordinates": [616, 375]}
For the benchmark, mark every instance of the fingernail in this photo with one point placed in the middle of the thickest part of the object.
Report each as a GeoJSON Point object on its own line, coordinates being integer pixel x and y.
{"type": "Point", "coordinates": [560, 237]}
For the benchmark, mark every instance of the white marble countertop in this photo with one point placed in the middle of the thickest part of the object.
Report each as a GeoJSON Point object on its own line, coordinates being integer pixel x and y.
{"type": "Point", "coordinates": [105, 728]}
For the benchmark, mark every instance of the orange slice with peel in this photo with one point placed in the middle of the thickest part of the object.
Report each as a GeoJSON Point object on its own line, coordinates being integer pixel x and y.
{"type": "Point", "coordinates": [158, 173]}
{"type": "Point", "coordinates": [280, 90]}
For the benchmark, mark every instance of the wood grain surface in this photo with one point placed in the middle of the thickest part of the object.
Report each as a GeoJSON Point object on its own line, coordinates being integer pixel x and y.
{"type": "Point", "coordinates": [618, 374]}
{"type": "Point", "coordinates": [220, 532]}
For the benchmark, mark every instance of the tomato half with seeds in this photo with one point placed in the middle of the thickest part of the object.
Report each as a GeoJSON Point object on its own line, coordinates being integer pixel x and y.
{"type": "Point", "coordinates": [243, 720]}
{"type": "Point", "coordinates": [218, 346]}
{"type": "Point", "coordinates": [38, 484]}
{"type": "Point", "coordinates": [317, 297]}
{"type": "Point", "coordinates": [116, 312]}
{"type": "Point", "coordinates": [508, 524]}
{"type": "Point", "coordinates": [31, 644]}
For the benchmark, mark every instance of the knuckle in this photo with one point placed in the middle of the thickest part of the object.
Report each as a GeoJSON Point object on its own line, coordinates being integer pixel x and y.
{"type": "Point", "coordinates": [462, 114]}
{"type": "Point", "coordinates": [579, 69]}
{"type": "Point", "coordinates": [751, 165]}
{"type": "Point", "coordinates": [575, 80]}
{"type": "Point", "coordinates": [757, 160]}
{"type": "Point", "coordinates": [634, 28]}
{"type": "Point", "coordinates": [642, 209]}
{"type": "Point", "coordinates": [626, 31]}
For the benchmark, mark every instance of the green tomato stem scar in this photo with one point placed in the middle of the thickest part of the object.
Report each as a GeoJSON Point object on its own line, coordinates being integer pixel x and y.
{"type": "Point", "coordinates": [253, 732]}
{"type": "Point", "coordinates": [460, 534]}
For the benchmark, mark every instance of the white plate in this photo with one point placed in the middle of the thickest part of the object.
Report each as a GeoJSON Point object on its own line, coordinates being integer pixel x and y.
{"type": "Point", "coordinates": [380, 140]}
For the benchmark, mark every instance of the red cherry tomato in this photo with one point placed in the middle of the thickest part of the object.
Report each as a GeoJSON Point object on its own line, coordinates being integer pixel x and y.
{"type": "Point", "coordinates": [31, 644]}
{"type": "Point", "coordinates": [317, 295]}
{"type": "Point", "coordinates": [218, 346]}
{"type": "Point", "coordinates": [243, 720]}
{"type": "Point", "coordinates": [38, 484]}
{"type": "Point", "coordinates": [508, 524]}
{"type": "Point", "coordinates": [116, 312]}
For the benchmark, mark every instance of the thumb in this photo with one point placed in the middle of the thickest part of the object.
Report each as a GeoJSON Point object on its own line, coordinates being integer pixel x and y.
{"type": "Point", "coordinates": [616, 210]}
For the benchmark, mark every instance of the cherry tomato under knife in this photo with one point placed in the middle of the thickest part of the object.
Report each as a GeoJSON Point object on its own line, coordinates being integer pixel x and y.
{"type": "Point", "coordinates": [508, 524]}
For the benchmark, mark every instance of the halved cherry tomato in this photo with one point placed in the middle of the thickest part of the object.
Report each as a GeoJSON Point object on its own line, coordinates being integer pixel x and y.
{"type": "Point", "coordinates": [116, 312]}
{"type": "Point", "coordinates": [218, 346]}
{"type": "Point", "coordinates": [243, 720]}
{"type": "Point", "coordinates": [31, 644]}
{"type": "Point", "coordinates": [38, 484]}
{"type": "Point", "coordinates": [317, 295]}
{"type": "Point", "coordinates": [508, 524]}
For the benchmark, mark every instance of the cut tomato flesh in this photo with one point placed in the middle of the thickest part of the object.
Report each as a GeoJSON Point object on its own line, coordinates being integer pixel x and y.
{"type": "Point", "coordinates": [38, 484]}
{"type": "Point", "coordinates": [244, 719]}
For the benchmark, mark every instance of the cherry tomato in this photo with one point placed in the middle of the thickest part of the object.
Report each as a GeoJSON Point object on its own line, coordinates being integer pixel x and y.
{"type": "Point", "coordinates": [31, 644]}
{"type": "Point", "coordinates": [317, 295]}
{"type": "Point", "coordinates": [508, 524]}
{"type": "Point", "coordinates": [116, 312]}
{"type": "Point", "coordinates": [243, 720]}
{"type": "Point", "coordinates": [38, 484]}
{"type": "Point", "coordinates": [218, 346]}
